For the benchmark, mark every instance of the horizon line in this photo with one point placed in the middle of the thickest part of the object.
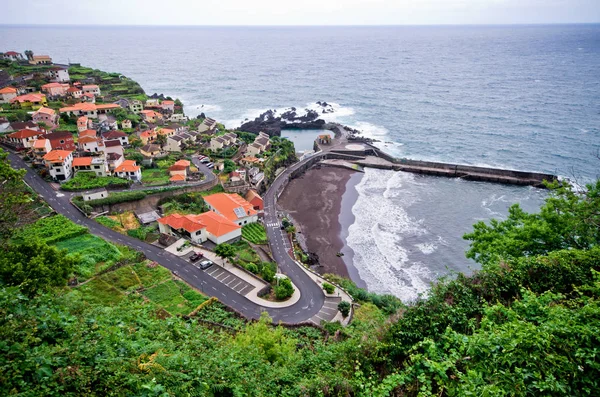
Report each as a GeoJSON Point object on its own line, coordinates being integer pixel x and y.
{"type": "Point", "coordinates": [296, 26]}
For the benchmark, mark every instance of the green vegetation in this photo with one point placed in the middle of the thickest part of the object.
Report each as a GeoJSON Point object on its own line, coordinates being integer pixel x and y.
{"type": "Point", "coordinates": [255, 233]}
{"type": "Point", "coordinates": [281, 154]}
{"type": "Point", "coordinates": [526, 324]}
{"type": "Point", "coordinates": [144, 233]}
{"type": "Point", "coordinates": [89, 180]}
{"type": "Point", "coordinates": [50, 230]}
{"type": "Point", "coordinates": [187, 203]}
{"type": "Point", "coordinates": [155, 177]}
{"type": "Point", "coordinates": [344, 308]}
{"type": "Point", "coordinates": [284, 289]}
{"type": "Point", "coordinates": [225, 251]}
{"type": "Point", "coordinates": [108, 222]}
{"type": "Point", "coordinates": [92, 254]}
{"type": "Point", "coordinates": [329, 288]}
{"type": "Point", "coordinates": [121, 197]}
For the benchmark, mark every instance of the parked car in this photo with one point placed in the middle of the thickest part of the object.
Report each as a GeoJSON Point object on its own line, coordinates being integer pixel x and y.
{"type": "Point", "coordinates": [196, 256]}
{"type": "Point", "coordinates": [210, 165]}
{"type": "Point", "coordinates": [205, 160]}
{"type": "Point", "coordinates": [205, 264]}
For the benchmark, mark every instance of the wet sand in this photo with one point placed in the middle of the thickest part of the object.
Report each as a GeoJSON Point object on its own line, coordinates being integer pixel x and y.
{"type": "Point", "coordinates": [314, 201]}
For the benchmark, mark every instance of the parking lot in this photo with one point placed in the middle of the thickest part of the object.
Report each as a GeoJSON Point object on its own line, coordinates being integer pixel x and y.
{"type": "Point", "coordinates": [232, 281]}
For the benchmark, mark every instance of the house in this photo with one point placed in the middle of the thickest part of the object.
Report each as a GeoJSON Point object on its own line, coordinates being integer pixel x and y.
{"type": "Point", "coordinates": [29, 101]}
{"type": "Point", "coordinates": [40, 60]}
{"type": "Point", "coordinates": [232, 207]}
{"type": "Point", "coordinates": [74, 92]}
{"type": "Point", "coordinates": [23, 138]}
{"type": "Point", "coordinates": [91, 89]}
{"type": "Point", "coordinates": [177, 118]}
{"type": "Point", "coordinates": [152, 102]}
{"type": "Point", "coordinates": [90, 164]}
{"type": "Point", "coordinates": [148, 136]}
{"type": "Point", "coordinates": [217, 143]}
{"type": "Point", "coordinates": [166, 132]}
{"type": "Point", "coordinates": [253, 198]}
{"type": "Point", "coordinates": [90, 144]}
{"type": "Point", "coordinates": [59, 164]}
{"type": "Point", "coordinates": [150, 116]}
{"type": "Point", "coordinates": [199, 228]}
{"type": "Point", "coordinates": [231, 137]}
{"type": "Point", "coordinates": [95, 195]}
{"type": "Point", "coordinates": [129, 170]}
{"type": "Point", "coordinates": [47, 116]}
{"type": "Point", "coordinates": [55, 89]}
{"type": "Point", "coordinates": [254, 149]}
{"type": "Point", "coordinates": [324, 139]}
{"type": "Point", "coordinates": [114, 160]}
{"type": "Point", "coordinates": [40, 148]}
{"type": "Point", "coordinates": [177, 127]}
{"type": "Point", "coordinates": [126, 124]}
{"type": "Point", "coordinates": [174, 143]}
{"type": "Point", "coordinates": [107, 123]}
{"type": "Point", "coordinates": [207, 125]}
{"type": "Point", "coordinates": [59, 75]}
{"type": "Point", "coordinates": [136, 106]}
{"type": "Point", "coordinates": [250, 161]}
{"type": "Point", "coordinates": [21, 125]}
{"type": "Point", "coordinates": [116, 135]}
{"type": "Point", "coordinates": [150, 150]}
{"type": "Point", "coordinates": [7, 94]}
{"type": "Point", "coordinates": [168, 106]}
{"type": "Point", "coordinates": [263, 142]}
{"type": "Point", "coordinates": [90, 110]}
{"type": "Point", "coordinates": [113, 146]}
{"type": "Point", "coordinates": [83, 123]}
{"type": "Point", "coordinates": [61, 140]}
{"type": "Point", "coordinates": [91, 133]}
{"type": "Point", "coordinates": [13, 56]}
{"type": "Point", "coordinates": [122, 102]}
{"type": "Point", "coordinates": [89, 97]}
{"type": "Point", "coordinates": [180, 168]}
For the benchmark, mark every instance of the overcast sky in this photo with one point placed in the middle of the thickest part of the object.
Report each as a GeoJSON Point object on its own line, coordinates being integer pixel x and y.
{"type": "Point", "coordinates": [297, 12]}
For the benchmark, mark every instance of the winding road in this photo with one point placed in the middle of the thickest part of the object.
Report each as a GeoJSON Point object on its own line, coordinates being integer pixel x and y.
{"type": "Point", "coordinates": [312, 299]}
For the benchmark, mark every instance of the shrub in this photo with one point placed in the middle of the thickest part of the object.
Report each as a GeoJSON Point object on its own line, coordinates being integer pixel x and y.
{"type": "Point", "coordinates": [251, 267]}
{"type": "Point", "coordinates": [344, 308]}
{"type": "Point", "coordinates": [329, 288]}
{"type": "Point", "coordinates": [284, 289]}
{"type": "Point", "coordinates": [50, 230]}
{"type": "Point", "coordinates": [267, 274]}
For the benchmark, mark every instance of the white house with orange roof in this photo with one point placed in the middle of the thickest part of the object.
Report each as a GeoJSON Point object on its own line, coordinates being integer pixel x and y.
{"type": "Point", "coordinates": [199, 228]}
{"type": "Point", "coordinates": [59, 164]}
{"type": "Point", "coordinates": [55, 89]}
{"type": "Point", "coordinates": [23, 138]}
{"type": "Point", "coordinates": [74, 92]}
{"type": "Point", "coordinates": [92, 144]}
{"type": "Point", "coordinates": [47, 116]}
{"type": "Point", "coordinates": [179, 170]}
{"type": "Point", "coordinates": [148, 136]}
{"type": "Point", "coordinates": [91, 88]}
{"type": "Point", "coordinates": [83, 123]}
{"type": "Point", "coordinates": [167, 105]}
{"type": "Point", "coordinates": [90, 110]}
{"type": "Point", "coordinates": [150, 116]}
{"type": "Point", "coordinates": [232, 207]}
{"type": "Point", "coordinates": [7, 93]}
{"type": "Point", "coordinates": [129, 170]}
{"type": "Point", "coordinates": [96, 165]}
{"type": "Point", "coordinates": [41, 147]}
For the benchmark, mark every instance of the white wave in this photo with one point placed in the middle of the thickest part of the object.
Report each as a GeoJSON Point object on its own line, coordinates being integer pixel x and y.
{"type": "Point", "coordinates": [249, 114]}
{"type": "Point", "coordinates": [426, 248]}
{"type": "Point", "coordinates": [376, 237]}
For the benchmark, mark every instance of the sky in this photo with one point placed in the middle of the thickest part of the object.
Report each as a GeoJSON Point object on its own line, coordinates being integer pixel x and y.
{"type": "Point", "coordinates": [297, 12]}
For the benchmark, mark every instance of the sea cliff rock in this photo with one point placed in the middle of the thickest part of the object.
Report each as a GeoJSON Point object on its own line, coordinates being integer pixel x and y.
{"type": "Point", "coordinates": [272, 123]}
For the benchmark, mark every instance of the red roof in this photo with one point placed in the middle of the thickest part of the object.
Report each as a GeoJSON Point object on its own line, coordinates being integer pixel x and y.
{"type": "Point", "coordinates": [87, 139]}
{"type": "Point", "coordinates": [226, 204]}
{"type": "Point", "coordinates": [11, 53]}
{"type": "Point", "coordinates": [46, 110]}
{"type": "Point", "coordinates": [40, 143]}
{"type": "Point", "coordinates": [8, 90]}
{"type": "Point", "coordinates": [127, 166]}
{"type": "Point", "coordinates": [177, 178]}
{"type": "Point", "coordinates": [57, 156]}
{"type": "Point", "coordinates": [216, 224]}
{"type": "Point", "coordinates": [114, 135]}
{"type": "Point", "coordinates": [23, 134]}
{"type": "Point", "coordinates": [87, 133]}
{"type": "Point", "coordinates": [74, 89]}
{"type": "Point", "coordinates": [29, 98]}
{"type": "Point", "coordinates": [186, 222]}
{"type": "Point", "coordinates": [82, 161]}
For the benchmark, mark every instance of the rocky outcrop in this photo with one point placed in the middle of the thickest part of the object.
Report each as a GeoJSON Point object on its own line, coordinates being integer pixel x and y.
{"type": "Point", "coordinates": [272, 122]}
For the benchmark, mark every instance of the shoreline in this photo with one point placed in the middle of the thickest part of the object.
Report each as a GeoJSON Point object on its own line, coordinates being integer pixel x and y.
{"type": "Point", "coordinates": [314, 201]}
{"type": "Point", "coordinates": [346, 219]}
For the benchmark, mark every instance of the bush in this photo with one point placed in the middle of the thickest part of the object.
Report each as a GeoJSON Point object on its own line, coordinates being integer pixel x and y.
{"type": "Point", "coordinates": [344, 308]}
{"type": "Point", "coordinates": [251, 267]}
{"type": "Point", "coordinates": [267, 274]}
{"type": "Point", "coordinates": [329, 288]}
{"type": "Point", "coordinates": [284, 290]}
{"type": "Point", "coordinates": [50, 230]}
{"type": "Point", "coordinates": [89, 180]}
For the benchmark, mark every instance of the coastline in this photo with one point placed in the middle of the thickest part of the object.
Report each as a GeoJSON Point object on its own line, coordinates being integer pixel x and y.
{"type": "Point", "coordinates": [314, 201]}
{"type": "Point", "coordinates": [346, 219]}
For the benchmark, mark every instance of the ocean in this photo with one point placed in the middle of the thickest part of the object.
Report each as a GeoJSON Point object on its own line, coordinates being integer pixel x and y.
{"type": "Point", "coordinates": [519, 97]}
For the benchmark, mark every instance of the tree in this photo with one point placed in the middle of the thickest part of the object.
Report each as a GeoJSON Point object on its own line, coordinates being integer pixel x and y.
{"type": "Point", "coordinates": [35, 266]}
{"type": "Point", "coordinates": [568, 220]}
{"type": "Point", "coordinates": [284, 289]}
{"type": "Point", "coordinates": [272, 343]}
{"type": "Point", "coordinates": [225, 251]}
{"type": "Point", "coordinates": [161, 140]}
{"type": "Point", "coordinates": [228, 166]}
{"type": "Point", "coordinates": [344, 308]}
{"type": "Point", "coordinates": [16, 202]}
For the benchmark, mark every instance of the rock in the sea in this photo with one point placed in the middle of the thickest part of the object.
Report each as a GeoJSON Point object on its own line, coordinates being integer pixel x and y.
{"type": "Point", "coordinates": [271, 124]}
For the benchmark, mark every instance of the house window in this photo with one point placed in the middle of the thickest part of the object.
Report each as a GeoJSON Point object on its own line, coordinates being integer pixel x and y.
{"type": "Point", "coordinates": [62, 141]}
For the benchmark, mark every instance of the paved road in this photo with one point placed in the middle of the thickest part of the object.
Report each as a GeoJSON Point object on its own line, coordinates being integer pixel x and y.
{"type": "Point", "coordinates": [310, 303]}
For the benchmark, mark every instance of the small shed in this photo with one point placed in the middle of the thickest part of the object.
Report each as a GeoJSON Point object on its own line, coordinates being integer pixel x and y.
{"type": "Point", "coordinates": [325, 139]}
{"type": "Point", "coordinates": [146, 218]}
{"type": "Point", "coordinates": [95, 195]}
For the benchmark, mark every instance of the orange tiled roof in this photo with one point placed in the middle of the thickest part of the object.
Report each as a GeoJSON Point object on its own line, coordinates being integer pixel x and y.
{"type": "Point", "coordinates": [90, 86]}
{"type": "Point", "coordinates": [148, 134]}
{"type": "Point", "coordinates": [251, 195]}
{"type": "Point", "coordinates": [46, 110]}
{"type": "Point", "coordinates": [29, 97]}
{"type": "Point", "coordinates": [187, 222]}
{"type": "Point", "coordinates": [166, 131]}
{"type": "Point", "coordinates": [74, 89]}
{"type": "Point", "coordinates": [88, 107]}
{"type": "Point", "coordinates": [184, 163]}
{"type": "Point", "coordinates": [127, 166]}
{"type": "Point", "coordinates": [87, 133]}
{"type": "Point", "coordinates": [40, 143]}
{"type": "Point", "coordinates": [53, 85]}
{"type": "Point", "coordinates": [216, 224]}
{"type": "Point", "coordinates": [8, 90]}
{"type": "Point", "coordinates": [168, 102]}
{"type": "Point", "coordinates": [87, 139]}
{"type": "Point", "coordinates": [26, 133]}
{"type": "Point", "coordinates": [57, 156]}
{"type": "Point", "coordinates": [177, 178]}
{"type": "Point", "coordinates": [82, 161]}
{"type": "Point", "coordinates": [226, 203]}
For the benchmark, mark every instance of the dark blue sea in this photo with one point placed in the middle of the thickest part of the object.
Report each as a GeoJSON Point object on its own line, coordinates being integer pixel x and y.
{"type": "Point", "coordinates": [520, 97]}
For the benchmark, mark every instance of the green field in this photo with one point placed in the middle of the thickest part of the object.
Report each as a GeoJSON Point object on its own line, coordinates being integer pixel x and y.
{"type": "Point", "coordinates": [89, 180]}
{"type": "Point", "coordinates": [95, 254]}
{"type": "Point", "coordinates": [175, 297]}
{"type": "Point", "coordinates": [255, 233]}
{"type": "Point", "coordinates": [50, 230]}
{"type": "Point", "coordinates": [155, 177]}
